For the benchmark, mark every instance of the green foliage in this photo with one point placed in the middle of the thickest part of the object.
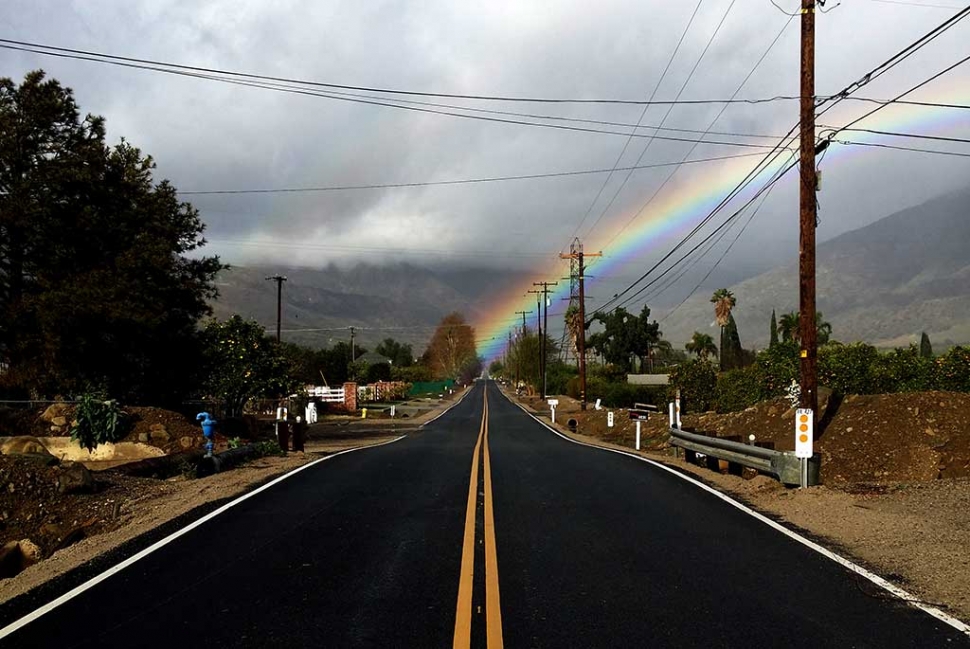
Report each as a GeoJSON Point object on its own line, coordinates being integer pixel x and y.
{"type": "Point", "coordinates": [620, 394]}
{"type": "Point", "coordinates": [378, 372]}
{"type": "Point", "coordinates": [732, 356]}
{"type": "Point", "coordinates": [98, 421]}
{"type": "Point", "coordinates": [496, 369]}
{"type": "Point", "coordinates": [773, 332]}
{"type": "Point", "coordinates": [951, 371]}
{"type": "Point", "coordinates": [268, 447]}
{"type": "Point", "coordinates": [234, 442]}
{"type": "Point", "coordinates": [625, 335]}
{"type": "Point", "coordinates": [738, 389]}
{"type": "Point", "coordinates": [558, 376]}
{"type": "Point", "coordinates": [702, 345]}
{"type": "Point", "coordinates": [777, 367]}
{"type": "Point", "coordinates": [925, 348]}
{"type": "Point", "coordinates": [401, 355]}
{"type": "Point", "coordinates": [413, 374]}
{"type": "Point", "coordinates": [849, 369]}
{"type": "Point", "coordinates": [101, 281]}
{"type": "Point", "coordinates": [696, 379]}
{"type": "Point", "coordinates": [243, 363]}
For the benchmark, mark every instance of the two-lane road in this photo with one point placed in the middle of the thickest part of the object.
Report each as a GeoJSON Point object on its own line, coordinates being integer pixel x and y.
{"type": "Point", "coordinates": [483, 527]}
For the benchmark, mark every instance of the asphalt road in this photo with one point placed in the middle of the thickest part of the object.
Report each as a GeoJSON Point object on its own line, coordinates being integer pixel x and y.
{"type": "Point", "coordinates": [587, 549]}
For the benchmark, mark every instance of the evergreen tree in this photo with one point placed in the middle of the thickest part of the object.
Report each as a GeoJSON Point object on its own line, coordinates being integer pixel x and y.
{"type": "Point", "coordinates": [731, 353]}
{"type": "Point", "coordinates": [773, 340]}
{"type": "Point", "coordinates": [925, 348]}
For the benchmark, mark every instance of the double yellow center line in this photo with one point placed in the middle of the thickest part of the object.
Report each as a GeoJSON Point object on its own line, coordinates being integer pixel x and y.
{"type": "Point", "coordinates": [493, 613]}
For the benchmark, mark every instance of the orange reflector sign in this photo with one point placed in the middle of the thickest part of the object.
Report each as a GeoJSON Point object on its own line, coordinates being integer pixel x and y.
{"type": "Point", "coordinates": [804, 432]}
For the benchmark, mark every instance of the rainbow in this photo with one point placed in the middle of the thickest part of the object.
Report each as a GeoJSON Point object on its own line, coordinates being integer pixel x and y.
{"type": "Point", "coordinates": [691, 196]}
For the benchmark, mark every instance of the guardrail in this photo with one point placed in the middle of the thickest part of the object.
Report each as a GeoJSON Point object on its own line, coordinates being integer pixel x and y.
{"type": "Point", "coordinates": [781, 464]}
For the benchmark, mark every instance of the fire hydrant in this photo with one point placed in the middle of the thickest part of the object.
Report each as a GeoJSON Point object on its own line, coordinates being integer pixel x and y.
{"type": "Point", "coordinates": [208, 429]}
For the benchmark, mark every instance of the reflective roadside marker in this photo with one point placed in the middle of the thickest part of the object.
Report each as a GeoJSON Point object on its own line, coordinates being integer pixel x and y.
{"type": "Point", "coordinates": [804, 432]}
{"type": "Point", "coordinates": [609, 419]}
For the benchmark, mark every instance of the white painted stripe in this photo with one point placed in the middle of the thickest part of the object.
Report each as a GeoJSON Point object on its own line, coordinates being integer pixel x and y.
{"type": "Point", "coordinates": [30, 617]}
{"type": "Point", "coordinates": [825, 552]}
{"type": "Point", "coordinates": [445, 411]}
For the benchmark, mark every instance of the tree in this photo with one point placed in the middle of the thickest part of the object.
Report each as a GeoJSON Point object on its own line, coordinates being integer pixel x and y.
{"type": "Point", "coordinates": [625, 335]}
{"type": "Point", "coordinates": [925, 348]}
{"type": "Point", "coordinates": [452, 347]}
{"type": "Point", "coordinates": [723, 301]}
{"type": "Point", "coordinates": [732, 355]}
{"type": "Point", "coordinates": [773, 339]}
{"type": "Point", "coordinates": [242, 362]}
{"type": "Point", "coordinates": [401, 355]}
{"type": "Point", "coordinates": [702, 345]}
{"type": "Point", "coordinates": [100, 281]}
{"type": "Point", "coordinates": [790, 331]}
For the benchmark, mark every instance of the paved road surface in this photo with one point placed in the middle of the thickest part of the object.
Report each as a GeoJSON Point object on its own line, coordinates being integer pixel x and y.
{"type": "Point", "coordinates": [483, 527]}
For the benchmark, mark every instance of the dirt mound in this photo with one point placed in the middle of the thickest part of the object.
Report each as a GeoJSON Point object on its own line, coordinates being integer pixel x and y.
{"type": "Point", "coordinates": [873, 439]}
{"type": "Point", "coordinates": [33, 507]}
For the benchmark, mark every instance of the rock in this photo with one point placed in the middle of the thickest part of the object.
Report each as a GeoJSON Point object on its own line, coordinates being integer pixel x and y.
{"type": "Point", "coordinates": [75, 478]}
{"type": "Point", "coordinates": [159, 434]}
{"type": "Point", "coordinates": [186, 442]}
{"type": "Point", "coordinates": [57, 410]}
{"type": "Point", "coordinates": [22, 444]}
{"type": "Point", "coordinates": [143, 438]}
{"type": "Point", "coordinates": [30, 551]}
{"type": "Point", "coordinates": [59, 421]}
{"type": "Point", "coordinates": [11, 559]}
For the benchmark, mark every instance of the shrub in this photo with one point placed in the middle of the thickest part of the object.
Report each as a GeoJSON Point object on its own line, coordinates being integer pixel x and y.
{"type": "Point", "coordinates": [738, 389]}
{"type": "Point", "coordinates": [696, 379]}
{"type": "Point", "coordinates": [902, 370]}
{"type": "Point", "coordinates": [951, 371]}
{"type": "Point", "coordinates": [777, 366]}
{"type": "Point", "coordinates": [98, 421]}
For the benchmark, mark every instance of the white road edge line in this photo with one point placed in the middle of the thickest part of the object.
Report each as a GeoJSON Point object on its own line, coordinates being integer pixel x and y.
{"type": "Point", "coordinates": [907, 597]}
{"type": "Point", "coordinates": [71, 594]}
{"type": "Point", "coordinates": [445, 411]}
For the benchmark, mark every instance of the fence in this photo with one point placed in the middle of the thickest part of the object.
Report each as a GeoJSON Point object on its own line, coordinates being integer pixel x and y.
{"type": "Point", "coordinates": [326, 394]}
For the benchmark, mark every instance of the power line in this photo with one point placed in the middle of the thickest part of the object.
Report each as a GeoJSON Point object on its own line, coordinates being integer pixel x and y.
{"type": "Point", "coordinates": [663, 121]}
{"type": "Point", "coordinates": [914, 4]}
{"type": "Point", "coordinates": [439, 251]}
{"type": "Point", "coordinates": [918, 136]}
{"type": "Point", "coordinates": [463, 181]}
{"type": "Point", "coordinates": [643, 114]}
{"type": "Point", "coordinates": [902, 148]}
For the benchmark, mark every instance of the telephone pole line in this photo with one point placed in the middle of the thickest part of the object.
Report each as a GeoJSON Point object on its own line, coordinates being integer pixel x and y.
{"type": "Point", "coordinates": [545, 327]}
{"type": "Point", "coordinates": [518, 353]}
{"type": "Point", "coordinates": [279, 279]}
{"type": "Point", "coordinates": [577, 258]}
{"type": "Point", "coordinates": [807, 215]}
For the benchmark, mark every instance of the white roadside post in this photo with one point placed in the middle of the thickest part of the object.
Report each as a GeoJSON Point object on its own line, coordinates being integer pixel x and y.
{"type": "Point", "coordinates": [804, 438]}
{"type": "Point", "coordinates": [552, 408]}
{"type": "Point", "coordinates": [673, 417]}
{"type": "Point", "coordinates": [638, 434]}
{"type": "Point", "coordinates": [598, 406]}
{"type": "Point", "coordinates": [609, 419]}
{"type": "Point", "coordinates": [677, 408]}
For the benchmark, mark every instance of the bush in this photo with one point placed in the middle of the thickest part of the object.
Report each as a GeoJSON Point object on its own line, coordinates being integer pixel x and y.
{"type": "Point", "coordinates": [558, 376]}
{"type": "Point", "coordinates": [902, 370]}
{"type": "Point", "coordinates": [951, 371]}
{"type": "Point", "coordinates": [739, 389]}
{"type": "Point", "coordinates": [778, 367]}
{"type": "Point", "coordinates": [696, 379]}
{"type": "Point", "coordinates": [98, 421]}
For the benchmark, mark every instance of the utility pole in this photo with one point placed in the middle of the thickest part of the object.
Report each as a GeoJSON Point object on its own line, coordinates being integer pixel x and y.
{"type": "Point", "coordinates": [545, 327]}
{"type": "Point", "coordinates": [807, 215]}
{"type": "Point", "coordinates": [353, 352]}
{"type": "Point", "coordinates": [518, 356]}
{"type": "Point", "coordinates": [576, 254]}
{"type": "Point", "coordinates": [279, 279]}
{"type": "Point", "coordinates": [538, 332]}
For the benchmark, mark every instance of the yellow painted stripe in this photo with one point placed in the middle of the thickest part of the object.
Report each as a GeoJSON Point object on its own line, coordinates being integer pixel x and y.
{"type": "Point", "coordinates": [493, 609]}
{"type": "Point", "coordinates": [463, 614]}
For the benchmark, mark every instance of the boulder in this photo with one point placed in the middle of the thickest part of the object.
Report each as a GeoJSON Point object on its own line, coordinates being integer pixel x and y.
{"type": "Point", "coordinates": [75, 478]}
{"type": "Point", "coordinates": [59, 421]}
{"type": "Point", "coordinates": [186, 442]}
{"type": "Point", "coordinates": [15, 556]}
{"type": "Point", "coordinates": [55, 411]}
{"type": "Point", "coordinates": [23, 444]}
{"type": "Point", "coordinates": [159, 434]}
{"type": "Point", "coordinates": [30, 551]}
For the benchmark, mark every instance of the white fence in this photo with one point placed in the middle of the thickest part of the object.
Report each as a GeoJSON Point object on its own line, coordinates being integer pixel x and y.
{"type": "Point", "coordinates": [326, 394]}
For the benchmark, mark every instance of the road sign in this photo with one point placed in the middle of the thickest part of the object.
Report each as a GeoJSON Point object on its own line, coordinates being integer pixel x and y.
{"type": "Point", "coordinates": [609, 419]}
{"type": "Point", "coordinates": [804, 432]}
{"type": "Point", "coordinates": [553, 402]}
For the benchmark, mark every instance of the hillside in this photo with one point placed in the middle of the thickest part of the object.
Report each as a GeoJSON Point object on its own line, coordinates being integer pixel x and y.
{"type": "Point", "coordinates": [884, 283]}
{"type": "Point", "coordinates": [401, 301]}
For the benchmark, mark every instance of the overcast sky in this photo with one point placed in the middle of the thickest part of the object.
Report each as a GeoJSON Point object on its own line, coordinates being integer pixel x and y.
{"type": "Point", "coordinates": [207, 135]}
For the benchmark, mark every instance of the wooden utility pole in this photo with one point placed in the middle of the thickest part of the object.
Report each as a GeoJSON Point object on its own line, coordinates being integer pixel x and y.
{"type": "Point", "coordinates": [279, 279]}
{"type": "Point", "coordinates": [576, 253]}
{"type": "Point", "coordinates": [545, 327]}
{"type": "Point", "coordinates": [807, 216]}
{"type": "Point", "coordinates": [353, 353]}
{"type": "Point", "coordinates": [518, 355]}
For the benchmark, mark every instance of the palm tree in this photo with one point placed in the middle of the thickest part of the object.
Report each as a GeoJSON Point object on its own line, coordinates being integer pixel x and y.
{"type": "Point", "coordinates": [723, 301]}
{"type": "Point", "coordinates": [788, 326]}
{"type": "Point", "coordinates": [791, 332]}
{"type": "Point", "coordinates": [702, 345]}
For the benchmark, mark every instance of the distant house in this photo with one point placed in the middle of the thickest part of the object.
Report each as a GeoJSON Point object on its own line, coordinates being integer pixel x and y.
{"type": "Point", "coordinates": [373, 358]}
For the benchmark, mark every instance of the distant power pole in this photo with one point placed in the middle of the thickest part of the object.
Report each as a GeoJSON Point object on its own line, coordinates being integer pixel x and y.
{"type": "Point", "coordinates": [279, 279]}
{"type": "Point", "coordinates": [577, 256]}
{"type": "Point", "coordinates": [538, 295]}
{"type": "Point", "coordinates": [807, 216]}
{"type": "Point", "coordinates": [545, 327]}
{"type": "Point", "coordinates": [518, 356]}
{"type": "Point", "coordinates": [353, 352]}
